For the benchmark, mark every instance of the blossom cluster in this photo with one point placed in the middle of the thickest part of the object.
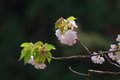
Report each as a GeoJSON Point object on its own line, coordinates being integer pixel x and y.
{"type": "Point", "coordinates": [65, 31]}
{"type": "Point", "coordinates": [115, 56]}
{"type": "Point", "coordinates": [97, 59]}
{"type": "Point", "coordinates": [69, 37]}
{"type": "Point", "coordinates": [36, 54]}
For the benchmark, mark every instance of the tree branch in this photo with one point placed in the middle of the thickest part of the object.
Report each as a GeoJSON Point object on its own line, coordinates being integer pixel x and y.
{"type": "Point", "coordinates": [90, 71]}
{"type": "Point", "coordinates": [85, 46]}
{"type": "Point", "coordinates": [71, 57]}
{"type": "Point", "coordinates": [112, 62]}
{"type": "Point", "coordinates": [83, 56]}
{"type": "Point", "coordinates": [103, 72]}
{"type": "Point", "coordinates": [82, 74]}
{"type": "Point", "coordinates": [105, 52]}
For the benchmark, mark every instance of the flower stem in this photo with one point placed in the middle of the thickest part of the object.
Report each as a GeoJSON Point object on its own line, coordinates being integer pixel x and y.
{"type": "Point", "coordinates": [85, 46]}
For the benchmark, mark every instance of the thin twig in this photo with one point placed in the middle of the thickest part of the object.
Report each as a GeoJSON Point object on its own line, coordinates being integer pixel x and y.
{"type": "Point", "coordinates": [83, 56]}
{"type": "Point", "coordinates": [85, 46]}
{"type": "Point", "coordinates": [112, 62]}
{"type": "Point", "coordinates": [82, 74]}
{"type": "Point", "coordinates": [105, 52]}
{"type": "Point", "coordinates": [90, 71]}
{"type": "Point", "coordinates": [71, 57]}
{"type": "Point", "coordinates": [103, 72]}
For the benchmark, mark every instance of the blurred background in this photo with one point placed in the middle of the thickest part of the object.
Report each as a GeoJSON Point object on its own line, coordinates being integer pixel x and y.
{"type": "Point", "coordinates": [33, 20]}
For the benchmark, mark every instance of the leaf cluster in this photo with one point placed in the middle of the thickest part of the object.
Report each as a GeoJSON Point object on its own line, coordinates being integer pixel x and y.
{"type": "Point", "coordinates": [39, 51]}
{"type": "Point", "coordinates": [63, 24]}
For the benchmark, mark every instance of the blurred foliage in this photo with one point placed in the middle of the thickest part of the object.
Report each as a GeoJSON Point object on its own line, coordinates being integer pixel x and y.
{"type": "Point", "coordinates": [33, 20]}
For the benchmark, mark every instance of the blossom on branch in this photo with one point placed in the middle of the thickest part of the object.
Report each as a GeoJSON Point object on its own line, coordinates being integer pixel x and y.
{"type": "Point", "coordinates": [65, 30]}
{"type": "Point", "coordinates": [97, 59]}
{"type": "Point", "coordinates": [40, 66]}
{"type": "Point", "coordinates": [113, 47]}
{"type": "Point", "coordinates": [115, 56]}
{"type": "Point", "coordinates": [69, 37]}
{"type": "Point", "coordinates": [111, 56]}
{"type": "Point", "coordinates": [72, 25]}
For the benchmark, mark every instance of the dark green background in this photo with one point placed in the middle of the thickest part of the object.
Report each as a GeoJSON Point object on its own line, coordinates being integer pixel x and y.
{"type": "Point", "coordinates": [33, 20]}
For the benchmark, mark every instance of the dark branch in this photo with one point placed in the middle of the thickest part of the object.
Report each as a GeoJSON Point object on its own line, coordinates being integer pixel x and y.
{"type": "Point", "coordinates": [103, 72]}
{"type": "Point", "coordinates": [84, 56]}
{"type": "Point", "coordinates": [112, 62]}
{"type": "Point", "coordinates": [71, 57]}
{"type": "Point", "coordinates": [105, 52]}
{"type": "Point", "coordinates": [82, 74]}
{"type": "Point", "coordinates": [90, 71]}
{"type": "Point", "coordinates": [85, 47]}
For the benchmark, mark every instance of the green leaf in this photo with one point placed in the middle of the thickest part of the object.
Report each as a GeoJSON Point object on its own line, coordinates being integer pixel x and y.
{"type": "Point", "coordinates": [71, 18]}
{"type": "Point", "coordinates": [43, 59]}
{"type": "Point", "coordinates": [39, 43]}
{"type": "Point", "coordinates": [27, 57]}
{"type": "Point", "coordinates": [40, 58]}
{"type": "Point", "coordinates": [37, 58]}
{"type": "Point", "coordinates": [35, 51]}
{"type": "Point", "coordinates": [36, 47]}
{"type": "Point", "coordinates": [23, 53]}
{"type": "Point", "coordinates": [26, 44]}
{"type": "Point", "coordinates": [48, 47]}
{"type": "Point", "coordinates": [59, 23]}
{"type": "Point", "coordinates": [56, 25]}
{"type": "Point", "coordinates": [49, 55]}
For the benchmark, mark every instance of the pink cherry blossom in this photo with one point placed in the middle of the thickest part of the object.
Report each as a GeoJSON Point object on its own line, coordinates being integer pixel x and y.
{"type": "Point", "coordinates": [97, 59]}
{"type": "Point", "coordinates": [31, 61]}
{"type": "Point", "coordinates": [72, 25]}
{"type": "Point", "coordinates": [40, 66]}
{"type": "Point", "coordinates": [113, 46]}
{"type": "Point", "coordinates": [111, 56]}
{"type": "Point", "coordinates": [69, 37]}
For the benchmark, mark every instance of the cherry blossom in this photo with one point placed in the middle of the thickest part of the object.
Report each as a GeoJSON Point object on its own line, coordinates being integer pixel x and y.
{"type": "Point", "coordinates": [97, 59]}
{"type": "Point", "coordinates": [115, 56]}
{"type": "Point", "coordinates": [40, 66]}
{"type": "Point", "coordinates": [72, 25]}
{"type": "Point", "coordinates": [69, 37]}
{"type": "Point", "coordinates": [31, 61]}
{"type": "Point", "coordinates": [111, 56]}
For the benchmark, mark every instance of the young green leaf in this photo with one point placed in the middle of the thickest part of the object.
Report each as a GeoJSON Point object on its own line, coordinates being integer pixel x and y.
{"type": "Point", "coordinates": [37, 58]}
{"type": "Point", "coordinates": [35, 51]}
{"type": "Point", "coordinates": [26, 44]}
{"type": "Point", "coordinates": [27, 57]}
{"type": "Point", "coordinates": [43, 59]}
{"type": "Point", "coordinates": [59, 23]}
{"type": "Point", "coordinates": [40, 58]}
{"type": "Point", "coordinates": [38, 44]}
{"type": "Point", "coordinates": [49, 55]}
{"type": "Point", "coordinates": [71, 18]}
{"type": "Point", "coordinates": [48, 47]}
{"type": "Point", "coordinates": [23, 53]}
